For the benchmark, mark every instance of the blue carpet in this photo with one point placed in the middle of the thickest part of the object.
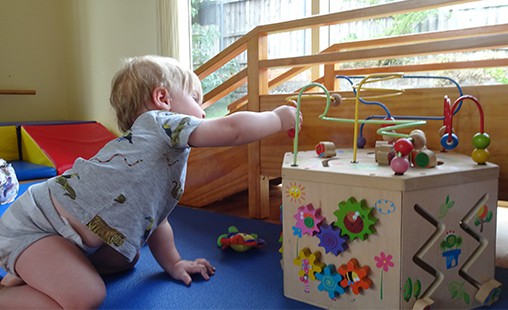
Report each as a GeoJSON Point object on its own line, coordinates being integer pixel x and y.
{"type": "Point", "coordinates": [249, 280]}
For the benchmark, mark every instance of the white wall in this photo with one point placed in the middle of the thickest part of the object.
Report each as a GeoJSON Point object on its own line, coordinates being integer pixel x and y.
{"type": "Point", "coordinates": [32, 53]}
{"type": "Point", "coordinates": [104, 32]}
{"type": "Point", "coordinates": [68, 51]}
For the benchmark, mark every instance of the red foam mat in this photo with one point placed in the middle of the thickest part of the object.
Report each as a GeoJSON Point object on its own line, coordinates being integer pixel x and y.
{"type": "Point", "coordinates": [64, 143]}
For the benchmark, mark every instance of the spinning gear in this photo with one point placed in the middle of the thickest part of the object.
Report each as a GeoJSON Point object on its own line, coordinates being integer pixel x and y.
{"type": "Point", "coordinates": [331, 240]}
{"type": "Point", "coordinates": [355, 219]}
{"type": "Point", "coordinates": [308, 219]}
{"type": "Point", "coordinates": [355, 276]}
{"type": "Point", "coordinates": [330, 282]}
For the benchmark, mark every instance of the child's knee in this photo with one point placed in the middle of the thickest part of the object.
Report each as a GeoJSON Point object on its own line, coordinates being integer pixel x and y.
{"type": "Point", "coordinates": [89, 297]}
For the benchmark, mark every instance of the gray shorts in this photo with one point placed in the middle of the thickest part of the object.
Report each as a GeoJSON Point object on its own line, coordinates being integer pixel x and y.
{"type": "Point", "coordinates": [30, 218]}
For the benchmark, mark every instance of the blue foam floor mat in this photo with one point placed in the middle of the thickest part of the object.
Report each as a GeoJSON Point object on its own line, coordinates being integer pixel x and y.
{"type": "Point", "coordinates": [248, 280]}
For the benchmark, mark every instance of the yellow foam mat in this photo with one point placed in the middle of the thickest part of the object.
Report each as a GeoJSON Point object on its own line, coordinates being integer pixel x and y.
{"type": "Point", "coordinates": [32, 152]}
{"type": "Point", "coordinates": [8, 143]}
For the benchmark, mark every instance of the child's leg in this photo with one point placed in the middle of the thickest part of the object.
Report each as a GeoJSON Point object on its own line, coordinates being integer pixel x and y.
{"type": "Point", "coordinates": [11, 280]}
{"type": "Point", "coordinates": [57, 275]}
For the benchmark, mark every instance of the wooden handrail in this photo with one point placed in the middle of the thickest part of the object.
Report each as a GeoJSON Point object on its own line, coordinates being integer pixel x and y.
{"type": "Point", "coordinates": [471, 64]}
{"type": "Point", "coordinates": [426, 48]}
{"type": "Point", "coordinates": [420, 37]}
{"type": "Point", "coordinates": [224, 56]}
{"type": "Point", "coordinates": [228, 86]}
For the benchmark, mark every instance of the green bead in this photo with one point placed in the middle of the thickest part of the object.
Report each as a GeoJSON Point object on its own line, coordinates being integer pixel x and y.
{"type": "Point", "coordinates": [481, 140]}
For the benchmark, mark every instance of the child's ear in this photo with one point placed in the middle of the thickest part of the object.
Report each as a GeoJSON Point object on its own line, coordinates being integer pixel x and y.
{"type": "Point", "coordinates": [161, 99]}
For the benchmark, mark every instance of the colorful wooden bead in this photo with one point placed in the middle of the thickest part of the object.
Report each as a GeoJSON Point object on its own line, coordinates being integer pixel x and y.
{"type": "Point", "coordinates": [399, 165]}
{"type": "Point", "coordinates": [449, 145]}
{"type": "Point", "coordinates": [481, 140]}
{"type": "Point", "coordinates": [403, 146]}
{"type": "Point", "coordinates": [480, 156]}
{"type": "Point", "coordinates": [325, 149]}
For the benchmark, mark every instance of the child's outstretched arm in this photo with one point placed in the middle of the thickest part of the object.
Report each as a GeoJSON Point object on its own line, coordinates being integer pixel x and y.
{"type": "Point", "coordinates": [162, 246]}
{"type": "Point", "coordinates": [243, 127]}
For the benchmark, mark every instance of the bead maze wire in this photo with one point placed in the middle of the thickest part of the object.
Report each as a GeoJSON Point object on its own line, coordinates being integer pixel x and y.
{"type": "Point", "coordinates": [361, 141]}
{"type": "Point", "coordinates": [381, 93]}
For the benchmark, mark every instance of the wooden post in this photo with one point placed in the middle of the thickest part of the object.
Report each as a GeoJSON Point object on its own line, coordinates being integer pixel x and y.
{"type": "Point", "coordinates": [315, 39]}
{"type": "Point", "coordinates": [329, 77]}
{"type": "Point", "coordinates": [257, 49]}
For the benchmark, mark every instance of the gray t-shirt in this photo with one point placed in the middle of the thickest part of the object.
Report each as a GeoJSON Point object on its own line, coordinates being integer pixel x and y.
{"type": "Point", "coordinates": [133, 183]}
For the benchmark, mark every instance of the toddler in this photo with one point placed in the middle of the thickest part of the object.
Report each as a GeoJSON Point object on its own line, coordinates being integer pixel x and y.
{"type": "Point", "coordinates": [61, 235]}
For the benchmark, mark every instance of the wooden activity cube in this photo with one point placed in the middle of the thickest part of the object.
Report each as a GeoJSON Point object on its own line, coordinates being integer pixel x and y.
{"type": "Point", "coordinates": [357, 236]}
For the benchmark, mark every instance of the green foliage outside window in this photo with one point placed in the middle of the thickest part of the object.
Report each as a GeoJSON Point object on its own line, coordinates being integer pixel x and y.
{"type": "Point", "coordinates": [204, 41]}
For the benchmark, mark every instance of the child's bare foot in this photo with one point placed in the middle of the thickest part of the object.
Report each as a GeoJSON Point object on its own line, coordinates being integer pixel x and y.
{"type": "Point", "coordinates": [11, 280]}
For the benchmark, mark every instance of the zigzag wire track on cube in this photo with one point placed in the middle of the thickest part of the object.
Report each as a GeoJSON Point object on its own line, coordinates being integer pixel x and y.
{"type": "Point", "coordinates": [483, 242]}
{"type": "Point", "coordinates": [417, 258]}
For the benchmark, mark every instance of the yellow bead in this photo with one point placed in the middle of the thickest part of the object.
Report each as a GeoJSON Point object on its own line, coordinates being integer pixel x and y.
{"type": "Point", "coordinates": [480, 156]}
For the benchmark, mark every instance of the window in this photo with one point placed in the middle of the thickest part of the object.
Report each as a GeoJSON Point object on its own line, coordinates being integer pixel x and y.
{"type": "Point", "coordinates": [218, 23]}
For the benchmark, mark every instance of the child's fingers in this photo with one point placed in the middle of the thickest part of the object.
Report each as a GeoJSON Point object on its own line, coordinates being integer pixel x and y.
{"type": "Point", "coordinates": [186, 278]}
{"type": "Point", "coordinates": [210, 269]}
{"type": "Point", "coordinates": [199, 268]}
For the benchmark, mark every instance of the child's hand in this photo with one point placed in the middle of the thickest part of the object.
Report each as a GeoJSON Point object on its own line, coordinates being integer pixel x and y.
{"type": "Point", "coordinates": [287, 116]}
{"type": "Point", "coordinates": [183, 269]}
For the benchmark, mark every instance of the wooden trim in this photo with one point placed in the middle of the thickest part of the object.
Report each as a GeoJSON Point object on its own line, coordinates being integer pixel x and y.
{"type": "Point", "coordinates": [17, 92]}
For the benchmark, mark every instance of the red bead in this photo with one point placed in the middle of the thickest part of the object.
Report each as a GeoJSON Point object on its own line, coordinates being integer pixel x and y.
{"type": "Point", "coordinates": [403, 146]}
{"type": "Point", "coordinates": [388, 119]}
{"type": "Point", "coordinates": [291, 133]}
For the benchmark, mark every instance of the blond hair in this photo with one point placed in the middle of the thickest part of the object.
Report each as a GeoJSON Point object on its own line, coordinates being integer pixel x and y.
{"type": "Point", "coordinates": [132, 86]}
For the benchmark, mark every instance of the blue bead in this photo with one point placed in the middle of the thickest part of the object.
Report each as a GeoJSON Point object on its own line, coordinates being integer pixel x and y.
{"type": "Point", "coordinates": [447, 144]}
